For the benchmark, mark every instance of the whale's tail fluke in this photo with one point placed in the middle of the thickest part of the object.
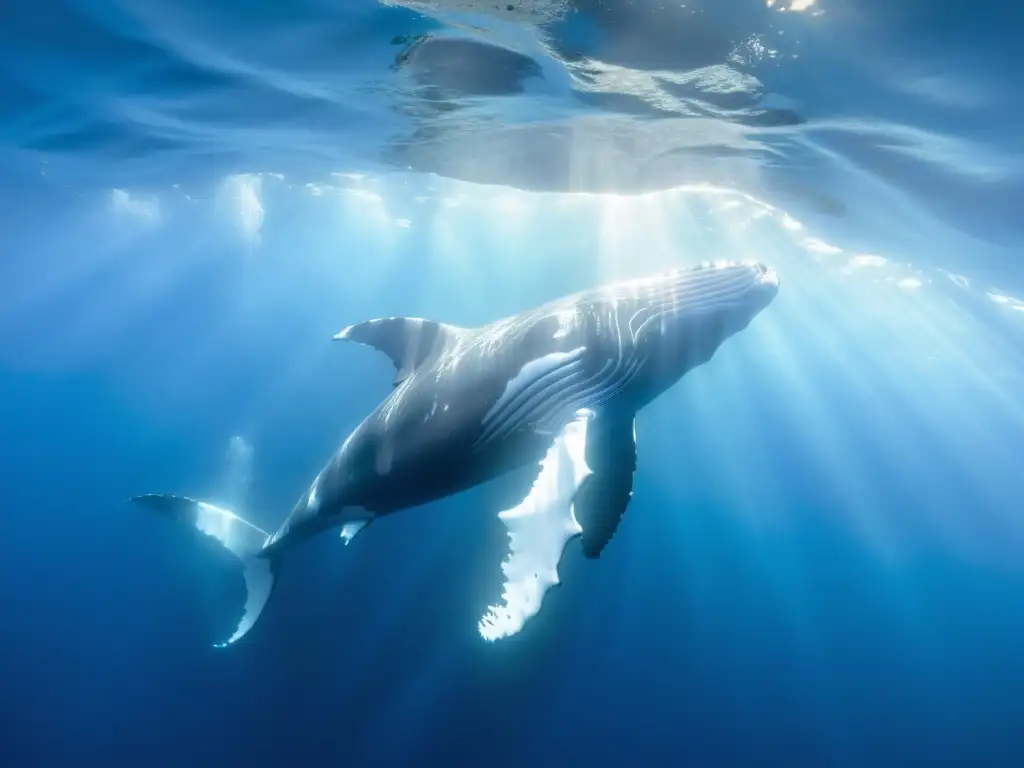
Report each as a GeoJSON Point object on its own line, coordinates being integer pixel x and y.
{"type": "Point", "coordinates": [243, 539]}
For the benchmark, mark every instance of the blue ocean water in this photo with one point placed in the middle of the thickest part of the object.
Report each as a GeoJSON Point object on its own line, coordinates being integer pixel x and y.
{"type": "Point", "coordinates": [823, 562]}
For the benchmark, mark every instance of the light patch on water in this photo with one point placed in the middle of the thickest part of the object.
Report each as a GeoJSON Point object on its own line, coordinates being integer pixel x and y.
{"type": "Point", "coordinates": [865, 260]}
{"type": "Point", "coordinates": [365, 194]}
{"type": "Point", "coordinates": [368, 208]}
{"type": "Point", "coordinates": [528, 11]}
{"type": "Point", "coordinates": [122, 203]}
{"type": "Point", "coordinates": [595, 76]}
{"type": "Point", "coordinates": [349, 176]}
{"type": "Point", "coordinates": [958, 280]}
{"type": "Point", "coordinates": [793, 5]}
{"type": "Point", "coordinates": [243, 192]}
{"type": "Point", "coordinates": [820, 246]}
{"type": "Point", "coordinates": [790, 223]}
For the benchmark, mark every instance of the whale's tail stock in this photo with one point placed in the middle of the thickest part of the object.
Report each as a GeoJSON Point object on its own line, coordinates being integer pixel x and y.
{"type": "Point", "coordinates": [241, 538]}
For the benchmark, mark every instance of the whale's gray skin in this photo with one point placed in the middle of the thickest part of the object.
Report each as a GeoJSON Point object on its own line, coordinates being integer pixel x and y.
{"type": "Point", "coordinates": [471, 404]}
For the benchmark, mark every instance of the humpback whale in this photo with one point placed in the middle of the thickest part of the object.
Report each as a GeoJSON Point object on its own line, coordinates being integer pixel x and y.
{"type": "Point", "coordinates": [556, 387]}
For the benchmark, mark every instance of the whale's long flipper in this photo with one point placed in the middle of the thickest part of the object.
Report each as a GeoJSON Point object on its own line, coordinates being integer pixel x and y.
{"type": "Point", "coordinates": [538, 529]}
{"type": "Point", "coordinates": [243, 539]}
{"type": "Point", "coordinates": [605, 494]}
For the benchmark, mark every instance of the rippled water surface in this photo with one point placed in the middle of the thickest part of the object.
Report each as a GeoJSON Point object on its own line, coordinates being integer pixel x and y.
{"type": "Point", "coordinates": [892, 129]}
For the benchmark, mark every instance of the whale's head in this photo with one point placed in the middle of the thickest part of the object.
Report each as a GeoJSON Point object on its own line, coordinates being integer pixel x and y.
{"type": "Point", "coordinates": [679, 318]}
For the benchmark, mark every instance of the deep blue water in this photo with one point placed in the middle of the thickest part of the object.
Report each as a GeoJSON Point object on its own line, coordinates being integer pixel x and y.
{"type": "Point", "coordinates": [823, 562]}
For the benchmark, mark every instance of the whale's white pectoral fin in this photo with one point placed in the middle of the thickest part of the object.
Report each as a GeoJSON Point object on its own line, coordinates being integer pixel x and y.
{"type": "Point", "coordinates": [349, 530]}
{"type": "Point", "coordinates": [538, 530]}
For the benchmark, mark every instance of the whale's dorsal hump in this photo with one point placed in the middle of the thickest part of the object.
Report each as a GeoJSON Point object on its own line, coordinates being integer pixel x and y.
{"type": "Point", "coordinates": [408, 341]}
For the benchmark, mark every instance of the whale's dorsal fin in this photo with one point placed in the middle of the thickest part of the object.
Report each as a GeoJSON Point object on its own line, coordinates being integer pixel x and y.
{"type": "Point", "coordinates": [408, 341]}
